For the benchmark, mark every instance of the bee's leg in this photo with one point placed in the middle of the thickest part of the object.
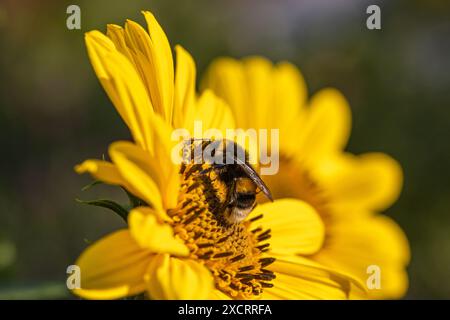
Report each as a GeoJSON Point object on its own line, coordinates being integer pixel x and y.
{"type": "Point", "coordinates": [232, 193]}
{"type": "Point", "coordinates": [230, 198]}
{"type": "Point", "coordinates": [226, 207]}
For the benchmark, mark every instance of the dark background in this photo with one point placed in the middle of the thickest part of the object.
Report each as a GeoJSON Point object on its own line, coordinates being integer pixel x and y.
{"type": "Point", "coordinates": [54, 114]}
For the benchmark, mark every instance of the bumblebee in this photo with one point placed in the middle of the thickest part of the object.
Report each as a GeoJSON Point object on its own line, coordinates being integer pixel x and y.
{"type": "Point", "coordinates": [241, 181]}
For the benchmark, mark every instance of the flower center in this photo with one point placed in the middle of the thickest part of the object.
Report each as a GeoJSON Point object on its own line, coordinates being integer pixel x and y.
{"type": "Point", "coordinates": [234, 253]}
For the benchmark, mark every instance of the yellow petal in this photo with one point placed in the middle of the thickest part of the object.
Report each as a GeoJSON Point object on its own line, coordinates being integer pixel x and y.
{"type": "Point", "coordinates": [144, 175]}
{"type": "Point", "coordinates": [213, 114]}
{"type": "Point", "coordinates": [327, 125]}
{"type": "Point", "coordinates": [289, 99]}
{"type": "Point", "coordinates": [104, 171]}
{"type": "Point", "coordinates": [290, 92]}
{"type": "Point", "coordinates": [255, 81]}
{"type": "Point", "coordinates": [184, 103]}
{"type": "Point", "coordinates": [137, 51]}
{"type": "Point", "coordinates": [162, 61]}
{"type": "Point", "coordinates": [247, 86]}
{"type": "Point", "coordinates": [132, 52]}
{"type": "Point", "coordinates": [354, 245]}
{"type": "Point", "coordinates": [97, 46]}
{"type": "Point", "coordinates": [261, 95]}
{"type": "Point", "coordinates": [259, 78]}
{"type": "Point", "coordinates": [151, 234]}
{"type": "Point", "coordinates": [101, 170]}
{"type": "Point", "coordinates": [117, 35]}
{"type": "Point", "coordinates": [163, 146]}
{"type": "Point", "coordinates": [300, 278]}
{"type": "Point", "coordinates": [296, 227]}
{"type": "Point", "coordinates": [226, 77]}
{"type": "Point", "coordinates": [168, 168]}
{"type": "Point", "coordinates": [178, 279]}
{"type": "Point", "coordinates": [287, 287]}
{"type": "Point", "coordinates": [122, 84]}
{"type": "Point", "coordinates": [372, 181]}
{"type": "Point", "coordinates": [135, 166]}
{"type": "Point", "coordinates": [141, 48]}
{"type": "Point", "coordinates": [113, 267]}
{"type": "Point", "coordinates": [394, 285]}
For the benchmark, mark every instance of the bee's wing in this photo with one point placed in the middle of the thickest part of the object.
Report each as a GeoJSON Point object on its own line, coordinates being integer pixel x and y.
{"type": "Point", "coordinates": [255, 177]}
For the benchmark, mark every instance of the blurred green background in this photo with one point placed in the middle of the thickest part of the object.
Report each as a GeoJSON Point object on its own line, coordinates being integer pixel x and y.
{"type": "Point", "coordinates": [54, 114]}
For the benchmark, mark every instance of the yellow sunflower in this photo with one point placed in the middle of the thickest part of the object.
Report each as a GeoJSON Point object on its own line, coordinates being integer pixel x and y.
{"type": "Point", "coordinates": [345, 190]}
{"type": "Point", "coordinates": [174, 247]}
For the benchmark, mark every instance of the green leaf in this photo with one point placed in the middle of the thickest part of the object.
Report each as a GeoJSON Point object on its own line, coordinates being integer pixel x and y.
{"type": "Point", "coordinates": [134, 201]}
{"type": "Point", "coordinates": [49, 290]}
{"type": "Point", "coordinates": [92, 184]}
{"type": "Point", "coordinates": [109, 204]}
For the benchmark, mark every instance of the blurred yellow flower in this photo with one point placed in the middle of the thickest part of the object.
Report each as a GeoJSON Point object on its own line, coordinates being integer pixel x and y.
{"type": "Point", "coordinates": [175, 248]}
{"type": "Point", "coordinates": [345, 190]}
